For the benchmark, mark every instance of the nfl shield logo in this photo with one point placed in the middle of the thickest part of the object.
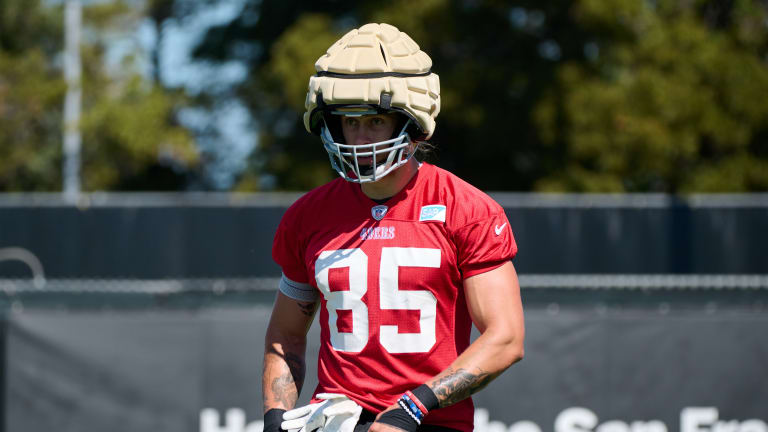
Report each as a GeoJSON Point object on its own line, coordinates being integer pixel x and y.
{"type": "Point", "coordinates": [379, 211]}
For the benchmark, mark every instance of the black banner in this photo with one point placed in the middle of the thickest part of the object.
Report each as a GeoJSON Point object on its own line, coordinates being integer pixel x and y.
{"type": "Point", "coordinates": [587, 369]}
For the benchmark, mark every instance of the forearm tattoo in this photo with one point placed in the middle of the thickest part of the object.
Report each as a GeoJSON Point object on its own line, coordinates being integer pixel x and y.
{"type": "Point", "coordinates": [459, 384]}
{"type": "Point", "coordinates": [285, 387]}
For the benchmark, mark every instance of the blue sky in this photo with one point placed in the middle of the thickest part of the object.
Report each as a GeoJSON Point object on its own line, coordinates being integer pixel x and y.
{"type": "Point", "coordinates": [231, 120]}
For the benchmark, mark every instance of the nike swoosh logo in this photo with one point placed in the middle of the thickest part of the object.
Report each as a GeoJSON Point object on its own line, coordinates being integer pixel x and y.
{"type": "Point", "coordinates": [499, 228]}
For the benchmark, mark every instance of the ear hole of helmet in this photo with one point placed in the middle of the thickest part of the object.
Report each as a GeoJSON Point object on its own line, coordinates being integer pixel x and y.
{"type": "Point", "coordinates": [401, 121]}
{"type": "Point", "coordinates": [333, 122]}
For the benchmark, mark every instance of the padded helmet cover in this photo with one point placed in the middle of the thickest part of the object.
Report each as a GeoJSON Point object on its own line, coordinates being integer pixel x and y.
{"type": "Point", "coordinates": [376, 65]}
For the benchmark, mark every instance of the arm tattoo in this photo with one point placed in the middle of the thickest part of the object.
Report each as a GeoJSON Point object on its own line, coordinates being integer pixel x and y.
{"type": "Point", "coordinates": [459, 384]}
{"type": "Point", "coordinates": [307, 309]}
{"type": "Point", "coordinates": [287, 386]}
{"type": "Point", "coordinates": [284, 369]}
{"type": "Point", "coordinates": [284, 390]}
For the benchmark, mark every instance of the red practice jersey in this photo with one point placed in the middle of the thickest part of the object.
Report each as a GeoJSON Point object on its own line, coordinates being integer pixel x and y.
{"type": "Point", "coordinates": [393, 311]}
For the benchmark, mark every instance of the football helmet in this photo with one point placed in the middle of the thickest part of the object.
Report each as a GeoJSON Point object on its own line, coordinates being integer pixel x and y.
{"type": "Point", "coordinates": [372, 70]}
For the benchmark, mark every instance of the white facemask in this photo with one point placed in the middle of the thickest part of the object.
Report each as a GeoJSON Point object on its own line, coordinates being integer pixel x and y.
{"type": "Point", "coordinates": [345, 157]}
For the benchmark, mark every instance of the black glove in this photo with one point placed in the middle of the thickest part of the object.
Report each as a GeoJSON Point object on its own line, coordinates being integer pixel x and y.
{"type": "Point", "coordinates": [399, 418]}
{"type": "Point", "coordinates": [272, 420]}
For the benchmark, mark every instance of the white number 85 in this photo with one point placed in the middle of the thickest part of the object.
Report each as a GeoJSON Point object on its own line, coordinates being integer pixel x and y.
{"type": "Point", "coordinates": [390, 297]}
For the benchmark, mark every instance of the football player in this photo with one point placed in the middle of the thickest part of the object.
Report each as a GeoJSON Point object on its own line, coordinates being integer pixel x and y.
{"type": "Point", "coordinates": [399, 256]}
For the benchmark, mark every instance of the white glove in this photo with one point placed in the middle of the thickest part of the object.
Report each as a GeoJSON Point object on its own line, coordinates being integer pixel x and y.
{"type": "Point", "coordinates": [342, 417]}
{"type": "Point", "coordinates": [335, 412]}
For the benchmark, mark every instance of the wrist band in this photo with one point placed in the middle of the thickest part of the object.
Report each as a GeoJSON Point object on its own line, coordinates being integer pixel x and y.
{"type": "Point", "coordinates": [407, 404]}
{"type": "Point", "coordinates": [418, 402]}
{"type": "Point", "coordinates": [427, 397]}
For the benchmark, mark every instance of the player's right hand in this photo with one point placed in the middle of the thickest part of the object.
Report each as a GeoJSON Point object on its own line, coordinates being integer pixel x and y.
{"type": "Point", "coordinates": [336, 413]}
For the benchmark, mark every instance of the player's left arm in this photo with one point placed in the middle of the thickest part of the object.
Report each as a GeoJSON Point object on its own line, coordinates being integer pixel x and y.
{"type": "Point", "coordinates": [494, 303]}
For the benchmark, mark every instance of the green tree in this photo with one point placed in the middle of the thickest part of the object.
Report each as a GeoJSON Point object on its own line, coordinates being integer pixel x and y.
{"type": "Point", "coordinates": [130, 137]}
{"type": "Point", "coordinates": [490, 73]}
{"type": "Point", "coordinates": [591, 95]}
{"type": "Point", "coordinates": [294, 157]}
{"type": "Point", "coordinates": [279, 41]}
{"type": "Point", "coordinates": [670, 103]}
{"type": "Point", "coordinates": [30, 137]}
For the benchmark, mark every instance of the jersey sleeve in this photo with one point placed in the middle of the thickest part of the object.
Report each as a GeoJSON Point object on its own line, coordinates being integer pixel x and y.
{"type": "Point", "coordinates": [484, 244]}
{"type": "Point", "coordinates": [287, 248]}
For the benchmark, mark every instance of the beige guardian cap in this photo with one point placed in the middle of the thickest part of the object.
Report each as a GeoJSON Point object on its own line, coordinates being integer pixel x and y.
{"type": "Point", "coordinates": [376, 64]}
{"type": "Point", "coordinates": [373, 69]}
